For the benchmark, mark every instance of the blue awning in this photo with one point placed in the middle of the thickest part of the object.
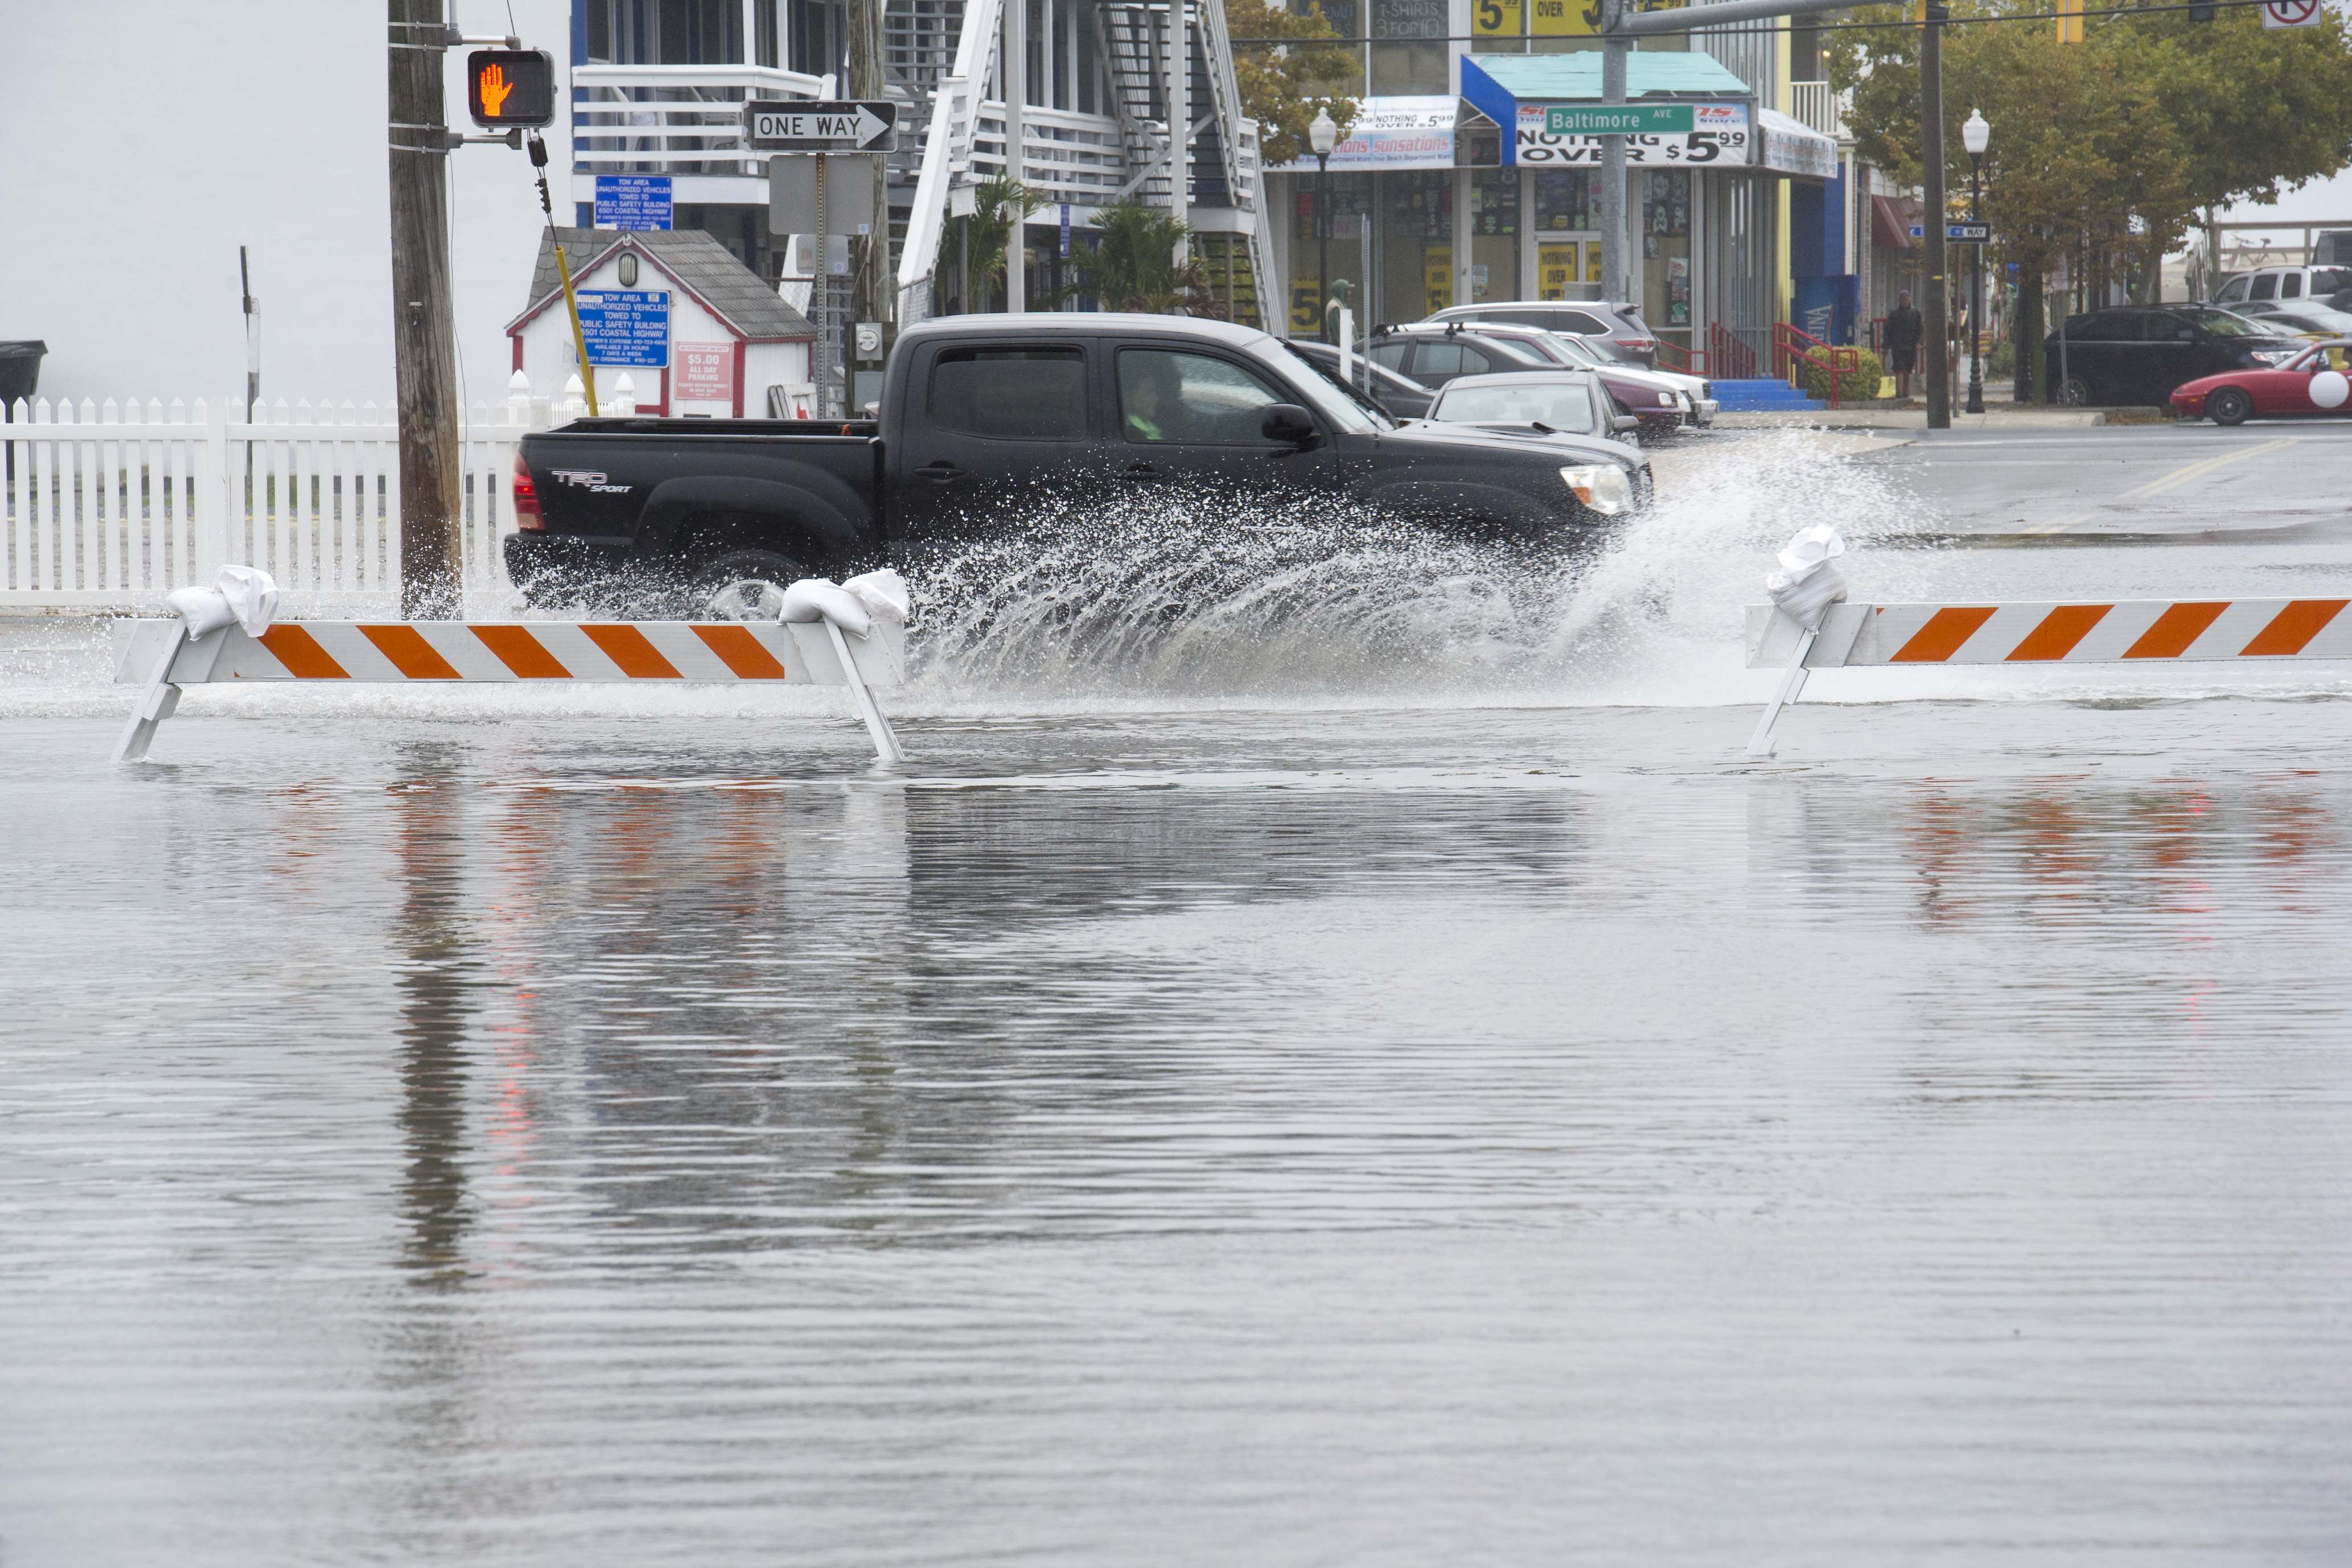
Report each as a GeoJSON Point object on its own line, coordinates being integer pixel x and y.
{"type": "Point", "coordinates": [1513, 91]}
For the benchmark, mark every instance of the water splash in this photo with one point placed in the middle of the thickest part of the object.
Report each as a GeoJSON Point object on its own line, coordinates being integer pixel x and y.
{"type": "Point", "coordinates": [1203, 595]}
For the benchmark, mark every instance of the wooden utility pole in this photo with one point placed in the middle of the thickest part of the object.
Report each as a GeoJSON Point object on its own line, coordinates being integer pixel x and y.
{"type": "Point", "coordinates": [1932, 216]}
{"type": "Point", "coordinates": [423, 327]}
{"type": "Point", "coordinates": [870, 263]}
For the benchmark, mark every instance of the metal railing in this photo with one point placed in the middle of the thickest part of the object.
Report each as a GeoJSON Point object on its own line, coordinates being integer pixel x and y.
{"type": "Point", "coordinates": [672, 119]}
{"type": "Point", "coordinates": [1822, 107]}
{"type": "Point", "coordinates": [1793, 348]}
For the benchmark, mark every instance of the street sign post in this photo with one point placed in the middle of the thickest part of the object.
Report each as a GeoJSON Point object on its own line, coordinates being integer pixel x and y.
{"type": "Point", "coordinates": [1618, 119]}
{"type": "Point", "coordinates": [1967, 233]}
{"type": "Point", "coordinates": [632, 201]}
{"type": "Point", "coordinates": [774, 125]}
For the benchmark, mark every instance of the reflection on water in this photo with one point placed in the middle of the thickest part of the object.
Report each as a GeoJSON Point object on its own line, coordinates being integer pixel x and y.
{"type": "Point", "coordinates": [1273, 1138]}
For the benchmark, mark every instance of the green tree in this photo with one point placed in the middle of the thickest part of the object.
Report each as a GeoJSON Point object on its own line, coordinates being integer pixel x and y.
{"type": "Point", "coordinates": [1283, 83]}
{"type": "Point", "coordinates": [1132, 264]}
{"type": "Point", "coordinates": [2103, 151]}
{"type": "Point", "coordinates": [995, 206]}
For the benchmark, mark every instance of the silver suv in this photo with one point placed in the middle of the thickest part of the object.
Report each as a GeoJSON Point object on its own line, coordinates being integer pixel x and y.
{"type": "Point", "coordinates": [2323, 284]}
{"type": "Point", "coordinates": [1612, 326]}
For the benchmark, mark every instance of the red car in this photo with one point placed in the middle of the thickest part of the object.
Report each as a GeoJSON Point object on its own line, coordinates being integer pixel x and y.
{"type": "Point", "coordinates": [2313, 382]}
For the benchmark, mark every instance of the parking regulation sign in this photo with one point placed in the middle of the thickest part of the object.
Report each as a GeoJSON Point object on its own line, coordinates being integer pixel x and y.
{"type": "Point", "coordinates": [632, 201]}
{"type": "Point", "coordinates": [626, 327]}
{"type": "Point", "coordinates": [2291, 13]}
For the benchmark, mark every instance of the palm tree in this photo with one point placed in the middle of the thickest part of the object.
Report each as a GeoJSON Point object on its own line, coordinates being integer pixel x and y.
{"type": "Point", "coordinates": [994, 206]}
{"type": "Point", "coordinates": [1132, 264]}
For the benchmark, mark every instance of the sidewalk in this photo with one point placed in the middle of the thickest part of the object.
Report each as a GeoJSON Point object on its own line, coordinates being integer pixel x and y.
{"type": "Point", "coordinates": [1895, 416]}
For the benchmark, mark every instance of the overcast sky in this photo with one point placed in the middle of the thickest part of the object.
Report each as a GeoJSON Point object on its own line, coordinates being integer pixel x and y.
{"type": "Point", "coordinates": [259, 122]}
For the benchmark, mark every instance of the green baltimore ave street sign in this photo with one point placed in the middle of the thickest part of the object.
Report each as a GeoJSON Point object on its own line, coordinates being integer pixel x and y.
{"type": "Point", "coordinates": [1617, 119]}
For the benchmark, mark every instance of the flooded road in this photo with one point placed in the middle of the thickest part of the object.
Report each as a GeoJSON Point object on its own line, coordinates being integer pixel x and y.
{"type": "Point", "coordinates": [1457, 1112]}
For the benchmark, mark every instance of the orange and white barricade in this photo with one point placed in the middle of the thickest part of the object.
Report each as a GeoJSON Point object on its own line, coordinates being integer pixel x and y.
{"type": "Point", "coordinates": [850, 635]}
{"type": "Point", "coordinates": [1845, 635]}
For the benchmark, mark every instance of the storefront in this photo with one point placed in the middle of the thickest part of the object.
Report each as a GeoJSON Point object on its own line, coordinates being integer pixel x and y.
{"type": "Point", "coordinates": [1433, 203]}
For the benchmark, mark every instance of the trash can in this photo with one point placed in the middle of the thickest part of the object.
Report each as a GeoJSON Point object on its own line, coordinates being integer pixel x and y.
{"type": "Point", "coordinates": [20, 372]}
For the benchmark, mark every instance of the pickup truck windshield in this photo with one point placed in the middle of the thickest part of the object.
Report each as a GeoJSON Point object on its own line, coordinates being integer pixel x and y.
{"type": "Point", "coordinates": [1563, 405]}
{"type": "Point", "coordinates": [1338, 401]}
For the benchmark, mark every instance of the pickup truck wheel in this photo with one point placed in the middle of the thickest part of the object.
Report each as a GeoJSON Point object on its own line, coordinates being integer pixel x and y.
{"type": "Point", "coordinates": [744, 585]}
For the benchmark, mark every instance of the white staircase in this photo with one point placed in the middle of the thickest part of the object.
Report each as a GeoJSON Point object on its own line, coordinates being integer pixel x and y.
{"type": "Point", "coordinates": [1225, 185]}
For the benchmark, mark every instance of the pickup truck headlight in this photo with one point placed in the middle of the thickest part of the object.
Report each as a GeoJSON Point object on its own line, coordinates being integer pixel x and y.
{"type": "Point", "coordinates": [1601, 487]}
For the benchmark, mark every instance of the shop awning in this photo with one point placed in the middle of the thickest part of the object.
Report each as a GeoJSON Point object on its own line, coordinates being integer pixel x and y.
{"type": "Point", "coordinates": [1891, 218]}
{"type": "Point", "coordinates": [1414, 133]}
{"type": "Point", "coordinates": [1792, 147]}
{"type": "Point", "coordinates": [1514, 91]}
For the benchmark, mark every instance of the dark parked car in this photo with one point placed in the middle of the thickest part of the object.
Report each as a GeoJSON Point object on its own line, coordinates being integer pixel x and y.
{"type": "Point", "coordinates": [1615, 325]}
{"type": "Point", "coordinates": [2135, 354]}
{"type": "Point", "coordinates": [981, 418]}
{"type": "Point", "coordinates": [1403, 397]}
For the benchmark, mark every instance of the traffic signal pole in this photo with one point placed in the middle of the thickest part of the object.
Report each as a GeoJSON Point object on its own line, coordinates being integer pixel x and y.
{"type": "Point", "coordinates": [1931, 165]}
{"type": "Point", "coordinates": [423, 319]}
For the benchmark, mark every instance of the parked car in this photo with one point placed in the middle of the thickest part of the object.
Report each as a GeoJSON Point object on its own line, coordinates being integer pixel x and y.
{"type": "Point", "coordinates": [1574, 413]}
{"type": "Point", "coordinates": [982, 416]}
{"type": "Point", "coordinates": [2136, 354]}
{"type": "Point", "coordinates": [1434, 352]}
{"type": "Point", "coordinates": [1400, 395]}
{"type": "Point", "coordinates": [2311, 384]}
{"type": "Point", "coordinates": [1614, 324]}
{"type": "Point", "coordinates": [2304, 318]}
{"type": "Point", "coordinates": [2285, 283]}
{"type": "Point", "coordinates": [1577, 351]}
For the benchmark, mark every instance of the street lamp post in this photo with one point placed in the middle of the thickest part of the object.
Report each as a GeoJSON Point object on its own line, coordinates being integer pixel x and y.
{"type": "Point", "coordinates": [1976, 135]}
{"type": "Point", "coordinates": [1323, 135]}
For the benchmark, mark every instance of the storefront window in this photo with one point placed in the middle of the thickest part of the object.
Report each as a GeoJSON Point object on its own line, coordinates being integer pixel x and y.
{"type": "Point", "coordinates": [1399, 68]}
{"type": "Point", "coordinates": [1494, 235]}
{"type": "Point", "coordinates": [1666, 250]}
{"type": "Point", "coordinates": [1416, 249]}
{"type": "Point", "coordinates": [1567, 201]}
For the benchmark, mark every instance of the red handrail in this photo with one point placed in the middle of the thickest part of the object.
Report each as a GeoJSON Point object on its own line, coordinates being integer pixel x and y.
{"type": "Point", "coordinates": [1732, 360]}
{"type": "Point", "coordinates": [1693, 361]}
{"type": "Point", "coordinates": [1791, 347]}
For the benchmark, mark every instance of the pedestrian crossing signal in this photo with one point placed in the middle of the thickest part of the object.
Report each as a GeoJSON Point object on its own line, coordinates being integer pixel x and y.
{"type": "Point", "coordinates": [510, 86]}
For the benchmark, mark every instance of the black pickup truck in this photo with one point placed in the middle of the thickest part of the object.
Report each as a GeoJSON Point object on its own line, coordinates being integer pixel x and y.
{"type": "Point", "coordinates": [710, 517]}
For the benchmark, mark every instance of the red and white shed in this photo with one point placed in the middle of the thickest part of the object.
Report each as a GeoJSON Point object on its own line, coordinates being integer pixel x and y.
{"type": "Point", "coordinates": [731, 337]}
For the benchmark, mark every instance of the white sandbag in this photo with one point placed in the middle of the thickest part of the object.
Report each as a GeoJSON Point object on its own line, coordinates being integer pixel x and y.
{"type": "Point", "coordinates": [884, 595]}
{"type": "Point", "coordinates": [240, 594]}
{"type": "Point", "coordinates": [815, 599]}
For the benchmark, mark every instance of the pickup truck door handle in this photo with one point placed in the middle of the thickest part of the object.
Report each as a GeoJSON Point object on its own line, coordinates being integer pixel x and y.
{"type": "Point", "coordinates": [1142, 470]}
{"type": "Point", "coordinates": [940, 471]}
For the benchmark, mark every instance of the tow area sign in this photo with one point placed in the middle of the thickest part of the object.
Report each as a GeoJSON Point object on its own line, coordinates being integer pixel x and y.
{"type": "Point", "coordinates": [778, 126]}
{"type": "Point", "coordinates": [625, 327]}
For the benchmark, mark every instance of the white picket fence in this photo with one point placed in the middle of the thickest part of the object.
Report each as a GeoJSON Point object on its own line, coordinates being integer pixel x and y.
{"type": "Point", "coordinates": [116, 505]}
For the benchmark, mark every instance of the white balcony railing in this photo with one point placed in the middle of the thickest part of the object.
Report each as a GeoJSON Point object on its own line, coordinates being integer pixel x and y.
{"type": "Point", "coordinates": [672, 119]}
{"type": "Point", "coordinates": [1820, 106]}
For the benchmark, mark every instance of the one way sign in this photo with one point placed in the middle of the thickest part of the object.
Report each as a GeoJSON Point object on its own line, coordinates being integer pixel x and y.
{"type": "Point", "coordinates": [774, 126]}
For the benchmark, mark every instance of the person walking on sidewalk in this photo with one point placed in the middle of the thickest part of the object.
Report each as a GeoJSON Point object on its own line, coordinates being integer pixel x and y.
{"type": "Point", "coordinates": [1904, 330]}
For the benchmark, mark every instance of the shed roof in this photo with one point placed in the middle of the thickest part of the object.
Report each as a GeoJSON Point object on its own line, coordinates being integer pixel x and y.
{"type": "Point", "coordinates": [695, 260]}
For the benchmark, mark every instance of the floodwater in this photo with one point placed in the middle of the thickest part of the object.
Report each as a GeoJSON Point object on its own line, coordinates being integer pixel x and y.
{"type": "Point", "coordinates": [1438, 1105]}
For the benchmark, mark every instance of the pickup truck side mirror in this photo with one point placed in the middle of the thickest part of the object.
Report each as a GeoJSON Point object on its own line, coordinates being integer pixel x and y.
{"type": "Point", "coordinates": [1619, 424]}
{"type": "Point", "coordinates": [1289, 423]}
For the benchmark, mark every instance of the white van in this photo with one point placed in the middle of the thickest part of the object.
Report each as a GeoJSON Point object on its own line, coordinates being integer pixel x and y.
{"type": "Point", "coordinates": [2319, 283]}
